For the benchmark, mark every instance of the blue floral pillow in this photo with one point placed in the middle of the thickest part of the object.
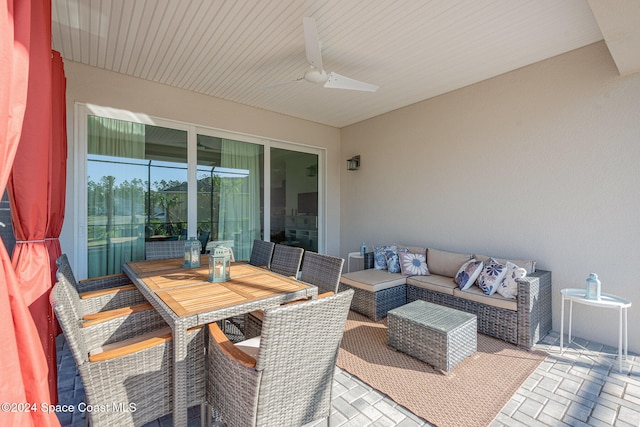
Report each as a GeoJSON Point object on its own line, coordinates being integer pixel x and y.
{"type": "Point", "coordinates": [413, 264]}
{"type": "Point", "coordinates": [393, 260]}
{"type": "Point", "coordinates": [468, 273]}
{"type": "Point", "coordinates": [380, 256]}
{"type": "Point", "coordinates": [491, 276]}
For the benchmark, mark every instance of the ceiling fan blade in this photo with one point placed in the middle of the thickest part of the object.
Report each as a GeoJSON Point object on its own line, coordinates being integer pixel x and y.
{"type": "Point", "coordinates": [312, 43]}
{"type": "Point", "coordinates": [336, 81]}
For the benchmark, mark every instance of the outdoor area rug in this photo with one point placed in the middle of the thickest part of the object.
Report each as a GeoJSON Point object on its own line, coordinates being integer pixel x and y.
{"type": "Point", "coordinates": [471, 394]}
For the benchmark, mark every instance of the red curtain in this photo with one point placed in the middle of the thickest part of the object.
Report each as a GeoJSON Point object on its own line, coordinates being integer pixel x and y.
{"type": "Point", "coordinates": [57, 165]}
{"type": "Point", "coordinates": [25, 55]}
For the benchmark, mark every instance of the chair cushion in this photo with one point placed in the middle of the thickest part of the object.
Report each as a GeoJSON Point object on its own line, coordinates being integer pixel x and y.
{"type": "Point", "coordinates": [250, 346]}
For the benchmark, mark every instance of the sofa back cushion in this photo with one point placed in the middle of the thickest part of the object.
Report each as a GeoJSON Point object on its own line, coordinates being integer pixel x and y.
{"type": "Point", "coordinates": [527, 264]}
{"type": "Point", "coordinates": [445, 263]}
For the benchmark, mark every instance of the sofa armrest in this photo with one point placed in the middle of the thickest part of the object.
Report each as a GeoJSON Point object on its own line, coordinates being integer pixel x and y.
{"type": "Point", "coordinates": [368, 260]}
{"type": "Point", "coordinates": [534, 307]}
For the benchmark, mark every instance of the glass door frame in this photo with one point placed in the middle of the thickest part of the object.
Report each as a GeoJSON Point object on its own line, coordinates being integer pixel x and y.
{"type": "Point", "coordinates": [79, 162]}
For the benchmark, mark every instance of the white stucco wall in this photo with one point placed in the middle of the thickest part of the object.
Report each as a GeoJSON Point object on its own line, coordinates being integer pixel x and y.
{"type": "Point", "coordinates": [539, 163]}
{"type": "Point", "coordinates": [95, 86]}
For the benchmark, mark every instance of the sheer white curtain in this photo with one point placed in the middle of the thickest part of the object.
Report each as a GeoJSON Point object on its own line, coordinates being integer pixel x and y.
{"type": "Point", "coordinates": [114, 199]}
{"type": "Point", "coordinates": [239, 218]}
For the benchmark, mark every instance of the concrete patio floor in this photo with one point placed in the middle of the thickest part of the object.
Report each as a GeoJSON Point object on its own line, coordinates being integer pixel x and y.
{"type": "Point", "coordinates": [581, 387]}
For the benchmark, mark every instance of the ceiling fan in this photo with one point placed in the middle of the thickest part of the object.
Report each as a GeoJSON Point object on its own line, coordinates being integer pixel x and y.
{"type": "Point", "coordinates": [316, 74]}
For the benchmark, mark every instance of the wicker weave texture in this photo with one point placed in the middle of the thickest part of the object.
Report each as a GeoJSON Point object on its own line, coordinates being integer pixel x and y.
{"type": "Point", "coordinates": [286, 260]}
{"type": "Point", "coordinates": [523, 327]}
{"type": "Point", "coordinates": [437, 335]}
{"type": "Point", "coordinates": [95, 304]}
{"type": "Point", "coordinates": [143, 378]}
{"type": "Point", "coordinates": [375, 305]}
{"type": "Point", "coordinates": [165, 249]}
{"type": "Point", "coordinates": [261, 253]}
{"type": "Point", "coordinates": [322, 271]}
{"type": "Point", "coordinates": [292, 382]}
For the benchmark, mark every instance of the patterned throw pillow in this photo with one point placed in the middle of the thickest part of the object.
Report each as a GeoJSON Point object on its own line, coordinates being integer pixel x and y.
{"type": "Point", "coordinates": [393, 260]}
{"type": "Point", "coordinates": [413, 264]}
{"type": "Point", "coordinates": [491, 276]}
{"type": "Point", "coordinates": [509, 286]}
{"type": "Point", "coordinates": [380, 256]}
{"type": "Point", "coordinates": [468, 274]}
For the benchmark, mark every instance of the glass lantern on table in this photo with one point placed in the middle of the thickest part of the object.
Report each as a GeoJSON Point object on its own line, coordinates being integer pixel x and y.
{"type": "Point", "coordinates": [220, 264]}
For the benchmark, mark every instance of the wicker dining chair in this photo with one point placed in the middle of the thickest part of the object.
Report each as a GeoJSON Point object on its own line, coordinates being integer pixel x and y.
{"type": "Point", "coordinates": [321, 270]}
{"type": "Point", "coordinates": [101, 293]}
{"type": "Point", "coordinates": [288, 381]}
{"type": "Point", "coordinates": [286, 260]}
{"type": "Point", "coordinates": [125, 362]}
{"type": "Point", "coordinates": [261, 253]}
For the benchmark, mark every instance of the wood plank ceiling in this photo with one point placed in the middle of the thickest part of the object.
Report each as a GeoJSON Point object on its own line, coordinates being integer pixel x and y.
{"type": "Point", "coordinates": [234, 50]}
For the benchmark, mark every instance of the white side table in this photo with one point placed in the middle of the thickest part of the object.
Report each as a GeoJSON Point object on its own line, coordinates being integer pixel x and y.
{"type": "Point", "coordinates": [605, 301]}
{"type": "Point", "coordinates": [355, 255]}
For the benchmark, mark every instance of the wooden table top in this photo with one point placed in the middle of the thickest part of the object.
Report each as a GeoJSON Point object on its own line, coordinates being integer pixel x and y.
{"type": "Point", "coordinates": [187, 292]}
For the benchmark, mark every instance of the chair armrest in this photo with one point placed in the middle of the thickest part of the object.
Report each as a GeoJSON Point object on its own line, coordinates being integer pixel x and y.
{"type": "Point", "coordinates": [227, 347]}
{"type": "Point", "coordinates": [102, 292]}
{"type": "Point", "coordinates": [103, 316]}
{"type": "Point", "coordinates": [134, 344]}
{"type": "Point", "coordinates": [127, 348]}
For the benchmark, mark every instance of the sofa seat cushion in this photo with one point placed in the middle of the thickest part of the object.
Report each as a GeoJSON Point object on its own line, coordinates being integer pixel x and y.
{"type": "Point", "coordinates": [474, 293]}
{"type": "Point", "coordinates": [434, 282]}
{"type": "Point", "coordinates": [373, 280]}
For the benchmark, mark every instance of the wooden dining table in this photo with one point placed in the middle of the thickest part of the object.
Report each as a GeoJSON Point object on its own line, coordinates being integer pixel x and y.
{"type": "Point", "coordinates": [185, 299]}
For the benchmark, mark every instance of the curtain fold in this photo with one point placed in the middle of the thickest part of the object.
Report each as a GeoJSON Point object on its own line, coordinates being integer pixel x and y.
{"type": "Point", "coordinates": [239, 218]}
{"type": "Point", "coordinates": [25, 49]}
{"type": "Point", "coordinates": [57, 169]}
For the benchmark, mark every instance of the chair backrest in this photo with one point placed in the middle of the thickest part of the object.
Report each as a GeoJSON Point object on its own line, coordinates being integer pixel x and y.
{"type": "Point", "coordinates": [164, 249]}
{"type": "Point", "coordinates": [297, 357]}
{"type": "Point", "coordinates": [261, 253]}
{"type": "Point", "coordinates": [204, 239]}
{"type": "Point", "coordinates": [321, 270]}
{"type": "Point", "coordinates": [69, 286]}
{"type": "Point", "coordinates": [61, 301]}
{"type": "Point", "coordinates": [286, 260]}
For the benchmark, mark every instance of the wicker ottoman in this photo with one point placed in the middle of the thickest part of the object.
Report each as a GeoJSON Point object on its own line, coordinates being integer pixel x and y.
{"type": "Point", "coordinates": [438, 335]}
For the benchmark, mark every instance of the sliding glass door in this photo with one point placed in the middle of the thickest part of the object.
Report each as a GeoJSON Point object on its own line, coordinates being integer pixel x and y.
{"type": "Point", "coordinates": [136, 190]}
{"type": "Point", "coordinates": [230, 192]}
{"type": "Point", "coordinates": [294, 198]}
{"type": "Point", "coordinates": [153, 180]}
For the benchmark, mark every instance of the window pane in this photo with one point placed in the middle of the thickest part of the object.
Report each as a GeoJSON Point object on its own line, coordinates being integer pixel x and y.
{"type": "Point", "coordinates": [6, 228]}
{"type": "Point", "coordinates": [136, 190]}
{"type": "Point", "coordinates": [294, 198]}
{"type": "Point", "coordinates": [230, 192]}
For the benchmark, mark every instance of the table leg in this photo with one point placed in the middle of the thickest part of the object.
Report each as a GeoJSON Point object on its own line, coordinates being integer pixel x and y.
{"type": "Point", "coordinates": [620, 340]}
{"type": "Point", "coordinates": [626, 334]}
{"type": "Point", "coordinates": [570, 319]}
{"type": "Point", "coordinates": [562, 324]}
{"type": "Point", "coordinates": [179, 376]}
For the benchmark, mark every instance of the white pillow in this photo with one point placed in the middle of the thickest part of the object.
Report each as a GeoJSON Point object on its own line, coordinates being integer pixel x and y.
{"type": "Point", "coordinates": [468, 274]}
{"type": "Point", "coordinates": [509, 286]}
{"type": "Point", "coordinates": [491, 276]}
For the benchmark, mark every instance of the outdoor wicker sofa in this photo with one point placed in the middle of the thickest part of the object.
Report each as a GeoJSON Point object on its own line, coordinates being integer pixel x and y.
{"type": "Point", "coordinates": [522, 321]}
